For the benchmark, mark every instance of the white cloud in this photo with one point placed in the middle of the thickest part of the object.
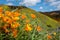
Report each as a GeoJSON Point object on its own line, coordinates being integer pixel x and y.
{"type": "Point", "coordinates": [55, 3]}
{"type": "Point", "coordinates": [30, 2]}
{"type": "Point", "coordinates": [41, 7]}
{"type": "Point", "coordinates": [51, 9]}
{"type": "Point", "coordinates": [10, 4]}
{"type": "Point", "coordinates": [50, 0]}
{"type": "Point", "coordinates": [58, 7]}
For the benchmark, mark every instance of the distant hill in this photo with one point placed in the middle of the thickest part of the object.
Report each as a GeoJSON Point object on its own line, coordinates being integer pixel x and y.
{"type": "Point", "coordinates": [54, 14]}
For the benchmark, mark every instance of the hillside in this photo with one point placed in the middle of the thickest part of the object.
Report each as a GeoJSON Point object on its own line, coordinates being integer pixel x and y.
{"type": "Point", "coordinates": [44, 20]}
{"type": "Point", "coordinates": [54, 14]}
{"type": "Point", "coordinates": [32, 25]}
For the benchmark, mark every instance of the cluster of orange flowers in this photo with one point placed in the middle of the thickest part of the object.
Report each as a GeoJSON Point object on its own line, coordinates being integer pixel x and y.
{"type": "Point", "coordinates": [29, 28]}
{"type": "Point", "coordinates": [10, 21]}
{"type": "Point", "coordinates": [32, 16]}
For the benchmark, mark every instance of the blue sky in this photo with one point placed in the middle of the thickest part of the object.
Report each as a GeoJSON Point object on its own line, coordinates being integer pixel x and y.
{"type": "Point", "coordinates": [38, 5]}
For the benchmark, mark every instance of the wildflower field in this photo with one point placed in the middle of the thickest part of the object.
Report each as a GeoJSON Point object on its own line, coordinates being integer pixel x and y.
{"type": "Point", "coordinates": [26, 24]}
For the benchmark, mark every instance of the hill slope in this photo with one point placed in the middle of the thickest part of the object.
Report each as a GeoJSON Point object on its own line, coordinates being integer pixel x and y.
{"type": "Point", "coordinates": [44, 20]}
{"type": "Point", "coordinates": [32, 25]}
{"type": "Point", "coordinates": [54, 14]}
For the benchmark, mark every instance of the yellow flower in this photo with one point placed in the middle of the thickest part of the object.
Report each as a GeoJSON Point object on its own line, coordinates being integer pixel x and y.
{"type": "Point", "coordinates": [28, 27]}
{"type": "Point", "coordinates": [15, 25]}
{"type": "Point", "coordinates": [54, 33]}
{"type": "Point", "coordinates": [15, 18]}
{"type": "Point", "coordinates": [33, 16]}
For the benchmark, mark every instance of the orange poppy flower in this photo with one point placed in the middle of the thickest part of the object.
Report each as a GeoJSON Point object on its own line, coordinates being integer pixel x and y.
{"type": "Point", "coordinates": [15, 25]}
{"type": "Point", "coordinates": [15, 18]}
{"type": "Point", "coordinates": [27, 21]}
{"type": "Point", "coordinates": [14, 33]}
{"type": "Point", "coordinates": [8, 13]}
{"type": "Point", "coordinates": [1, 9]}
{"type": "Point", "coordinates": [49, 36]}
{"type": "Point", "coordinates": [16, 14]}
{"type": "Point", "coordinates": [6, 31]}
{"type": "Point", "coordinates": [28, 28]}
{"type": "Point", "coordinates": [7, 20]}
{"type": "Point", "coordinates": [33, 16]}
{"type": "Point", "coordinates": [38, 28]}
{"type": "Point", "coordinates": [23, 16]}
